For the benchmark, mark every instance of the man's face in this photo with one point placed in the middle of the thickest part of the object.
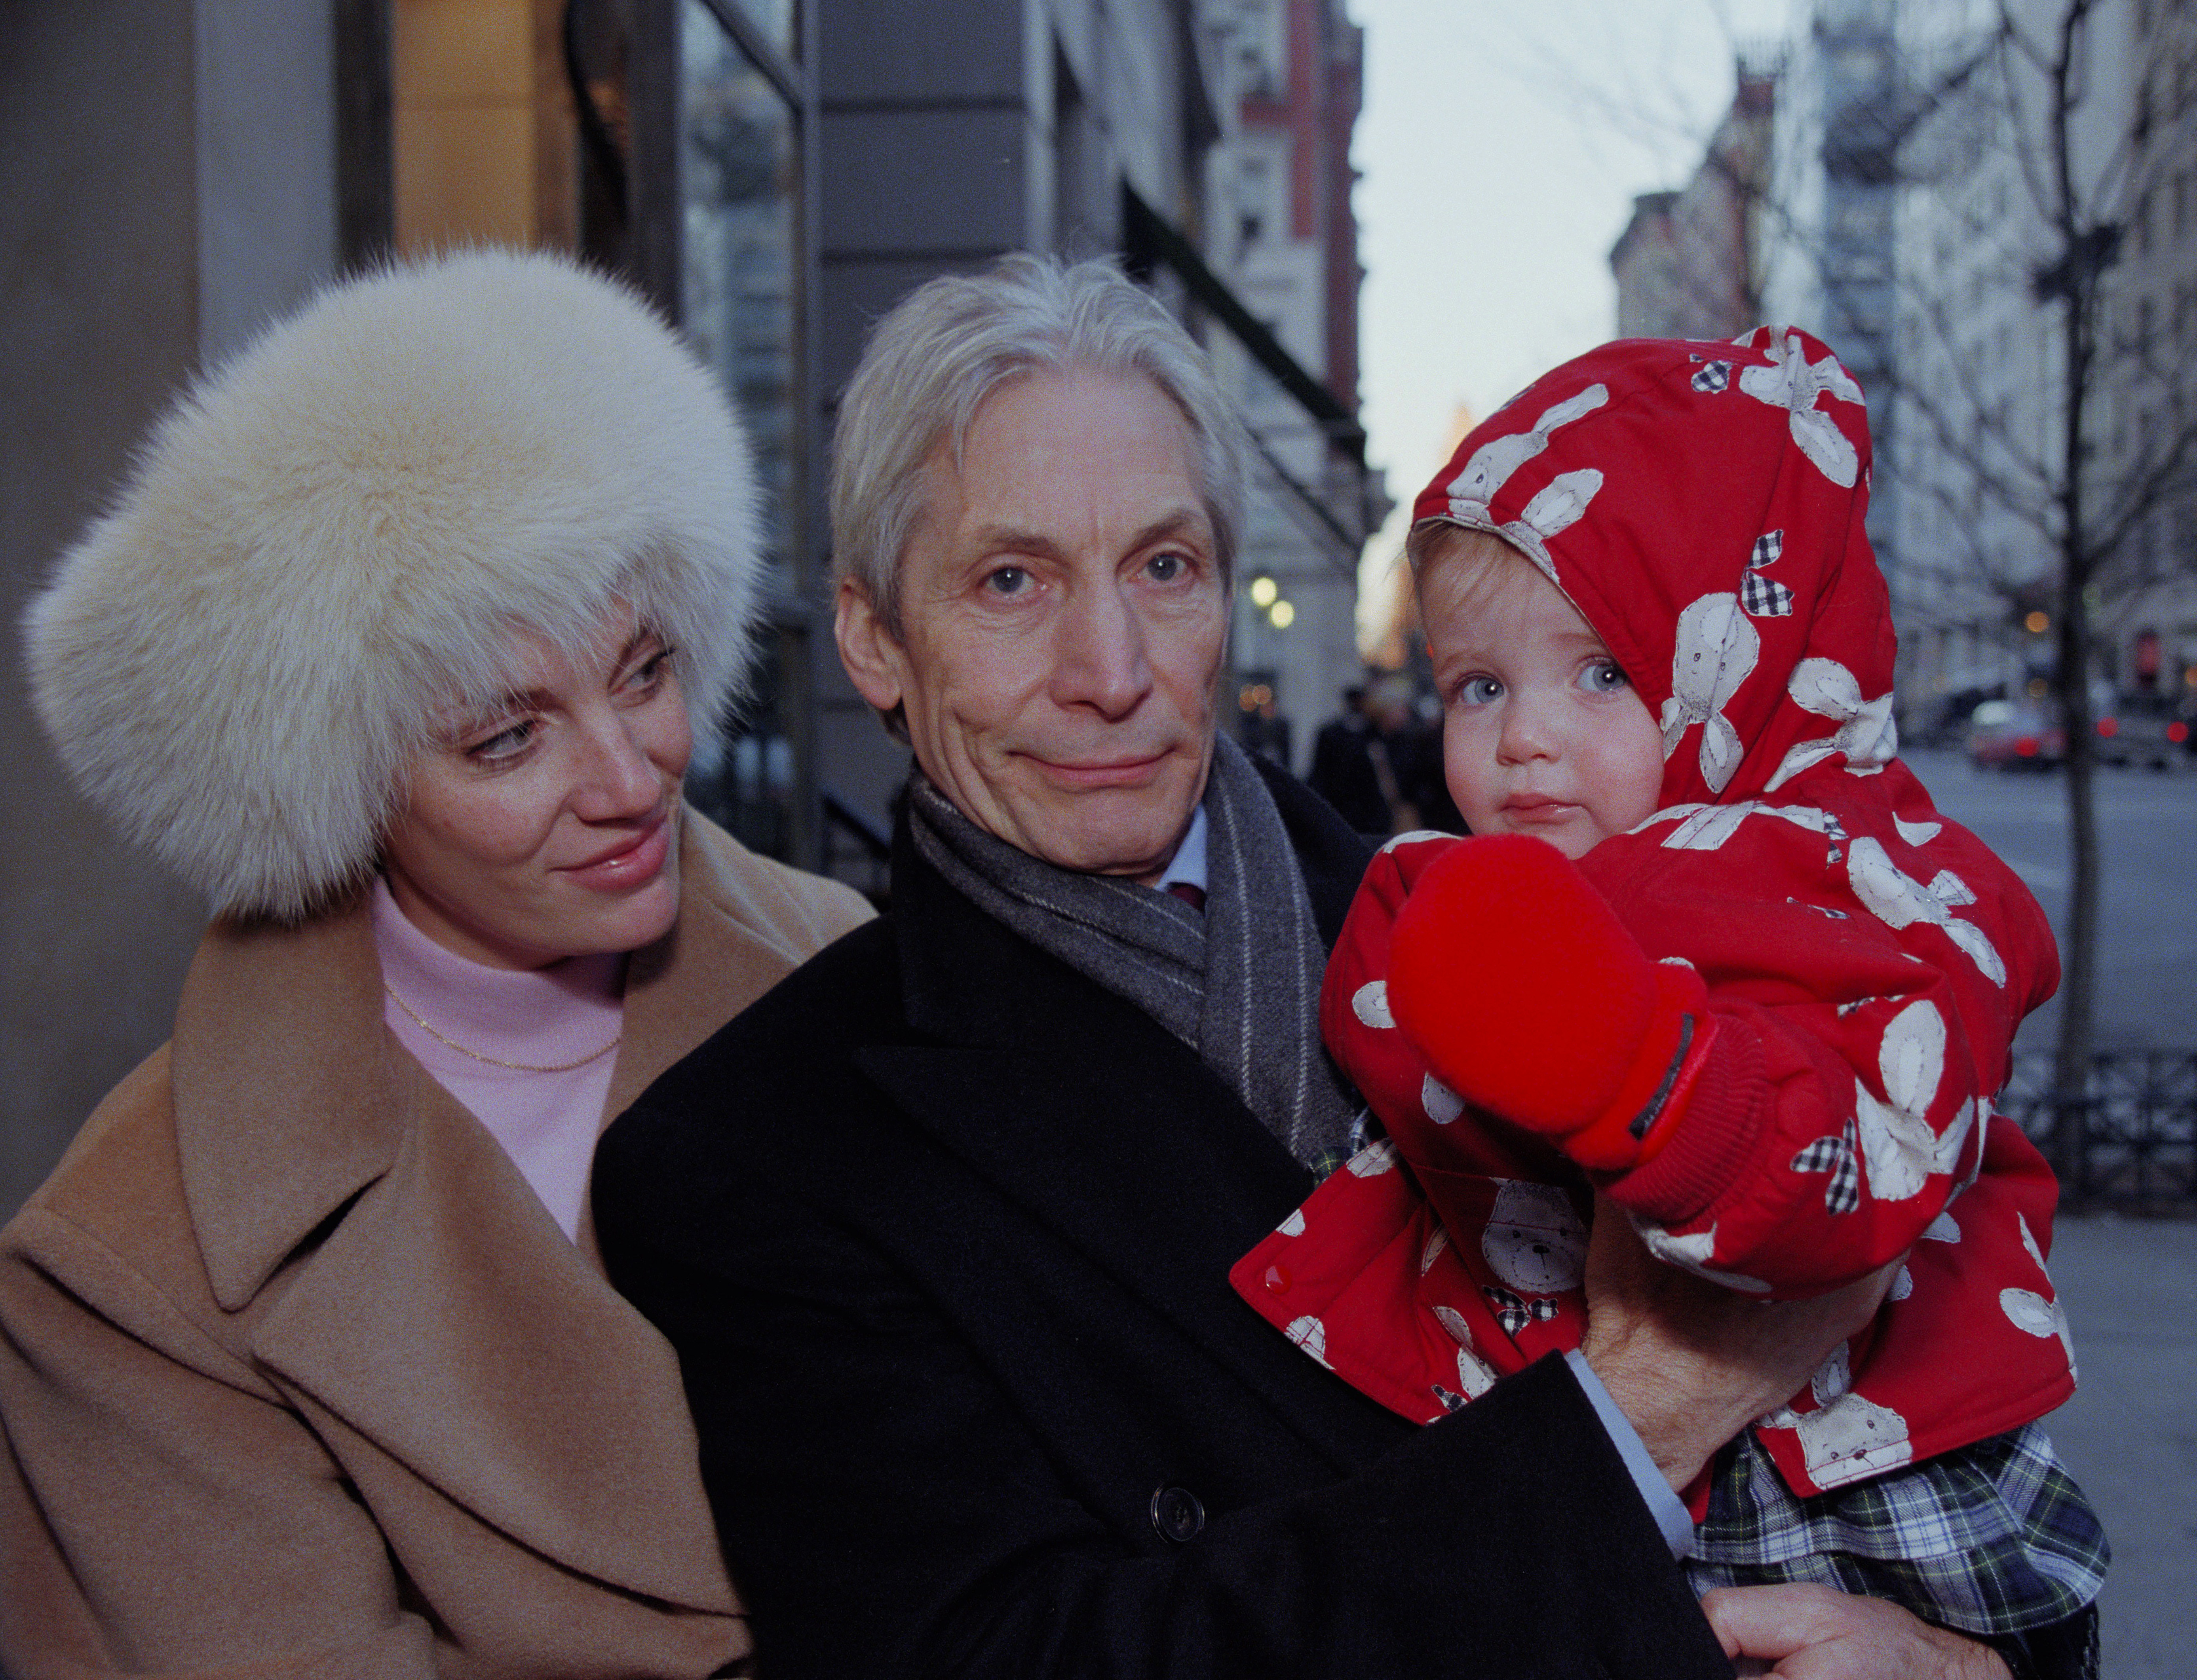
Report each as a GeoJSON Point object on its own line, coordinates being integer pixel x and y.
{"type": "Point", "coordinates": [1062, 624]}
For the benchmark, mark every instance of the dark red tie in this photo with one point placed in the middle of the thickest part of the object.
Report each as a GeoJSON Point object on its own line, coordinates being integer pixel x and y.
{"type": "Point", "coordinates": [1193, 896]}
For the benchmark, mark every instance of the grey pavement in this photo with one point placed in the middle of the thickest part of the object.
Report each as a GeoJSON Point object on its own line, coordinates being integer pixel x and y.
{"type": "Point", "coordinates": [2129, 1435]}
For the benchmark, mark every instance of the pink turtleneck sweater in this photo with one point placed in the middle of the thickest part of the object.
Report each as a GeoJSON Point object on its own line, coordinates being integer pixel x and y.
{"type": "Point", "coordinates": [539, 1018]}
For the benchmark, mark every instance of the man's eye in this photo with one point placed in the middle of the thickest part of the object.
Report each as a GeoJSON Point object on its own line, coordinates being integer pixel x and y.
{"type": "Point", "coordinates": [1166, 568]}
{"type": "Point", "coordinates": [1008, 580]}
{"type": "Point", "coordinates": [1604, 676]}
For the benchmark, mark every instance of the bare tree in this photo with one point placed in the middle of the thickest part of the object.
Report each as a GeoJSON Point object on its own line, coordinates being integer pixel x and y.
{"type": "Point", "coordinates": [2047, 397]}
{"type": "Point", "coordinates": [1991, 209]}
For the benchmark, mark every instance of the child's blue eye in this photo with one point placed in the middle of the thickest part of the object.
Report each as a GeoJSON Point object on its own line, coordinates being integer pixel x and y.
{"type": "Point", "coordinates": [1604, 676]}
{"type": "Point", "coordinates": [1479, 690]}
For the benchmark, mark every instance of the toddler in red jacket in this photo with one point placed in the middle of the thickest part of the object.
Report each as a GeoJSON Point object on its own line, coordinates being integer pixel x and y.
{"type": "Point", "coordinates": [1714, 951]}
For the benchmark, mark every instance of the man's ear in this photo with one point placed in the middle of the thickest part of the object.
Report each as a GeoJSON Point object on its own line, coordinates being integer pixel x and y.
{"type": "Point", "coordinates": [870, 652]}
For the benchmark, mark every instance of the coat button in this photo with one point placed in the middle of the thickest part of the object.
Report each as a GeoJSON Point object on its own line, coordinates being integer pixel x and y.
{"type": "Point", "coordinates": [1176, 1515]}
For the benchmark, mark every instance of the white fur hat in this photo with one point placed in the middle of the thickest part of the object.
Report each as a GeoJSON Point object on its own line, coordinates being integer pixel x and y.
{"type": "Point", "coordinates": [344, 528]}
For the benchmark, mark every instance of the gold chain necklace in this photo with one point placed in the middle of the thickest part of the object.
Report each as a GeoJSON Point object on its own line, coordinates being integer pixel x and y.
{"type": "Point", "coordinates": [493, 1062]}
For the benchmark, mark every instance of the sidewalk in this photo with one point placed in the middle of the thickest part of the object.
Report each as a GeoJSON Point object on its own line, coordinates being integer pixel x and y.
{"type": "Point", "coordinates": [2130, 1435]}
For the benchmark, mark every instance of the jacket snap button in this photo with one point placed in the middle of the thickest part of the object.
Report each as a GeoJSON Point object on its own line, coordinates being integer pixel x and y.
{"type": "Point", "coordinates": [1176, 1515]}
{"type": "Point", "coordinates": [1278, 1279]}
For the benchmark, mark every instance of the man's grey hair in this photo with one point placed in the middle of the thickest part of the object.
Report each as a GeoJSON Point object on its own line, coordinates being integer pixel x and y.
{"type": "Point", "coordinates": [953, 341]}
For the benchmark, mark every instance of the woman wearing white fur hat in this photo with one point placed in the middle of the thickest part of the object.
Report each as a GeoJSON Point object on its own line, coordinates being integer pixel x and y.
{"type": "Point", "coordinates": [395, 644]}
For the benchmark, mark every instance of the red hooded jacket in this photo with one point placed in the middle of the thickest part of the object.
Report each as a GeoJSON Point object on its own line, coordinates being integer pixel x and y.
{"type": "Point", "coordinates": [1867, 960]}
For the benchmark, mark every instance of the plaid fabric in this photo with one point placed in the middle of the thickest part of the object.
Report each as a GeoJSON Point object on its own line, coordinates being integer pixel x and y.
{"type": "Point", "coordinates": [1992, 1539]}
{"type": "Point", "coordinates": [1362, 1132]}
{"type": "Point", "coordinates": [2064, 1651]}
{"type": "Point", "coordinates": [1837, 1156]}
{"type": "Point", "coordinates": [1514, 1312]}
{"type": "Point", "coordinates": [1714, 376]}
{"type": "Point", "coordinates": [1764, 597]}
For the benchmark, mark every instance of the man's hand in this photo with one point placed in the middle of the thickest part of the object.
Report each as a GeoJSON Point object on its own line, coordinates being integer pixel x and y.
{"type": "Point", "coordinates": [1692, 1364]}
{"type": "Point", "coordinates": [1814, 1633]}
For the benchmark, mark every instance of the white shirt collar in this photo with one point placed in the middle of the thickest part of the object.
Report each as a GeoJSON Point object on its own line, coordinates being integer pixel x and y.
{"type": "Point", "coordinates": [1188, 865]}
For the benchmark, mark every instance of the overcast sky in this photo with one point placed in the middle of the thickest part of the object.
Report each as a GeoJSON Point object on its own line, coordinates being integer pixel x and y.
{"type": "Point", "coordinates": [1501, 144]}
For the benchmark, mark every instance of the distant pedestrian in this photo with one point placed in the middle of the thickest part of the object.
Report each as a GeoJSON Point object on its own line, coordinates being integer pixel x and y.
{"type": "Point", "coordinates": [1344, 769]}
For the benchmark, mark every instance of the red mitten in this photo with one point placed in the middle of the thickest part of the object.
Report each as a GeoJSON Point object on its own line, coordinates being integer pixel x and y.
{"type": "Point", "coordinates": [1515, 981]}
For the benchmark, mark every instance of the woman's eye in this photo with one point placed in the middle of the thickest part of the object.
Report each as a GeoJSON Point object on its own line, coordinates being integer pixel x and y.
{"type": "Point", "coordinates": [648, 674]}
{"type": "Point", "coordinates": [1006, 580]}
{"type": "Point", "coordinates": [1604, 676]}
{"type": "Point", "coordinates": [504, 745]}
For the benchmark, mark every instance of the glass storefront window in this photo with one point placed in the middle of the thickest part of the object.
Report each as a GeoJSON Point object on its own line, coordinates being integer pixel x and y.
{"type": "Point", "coordinates": [739, 186]}
{"type": "Point", "coordinates": [775, 18]}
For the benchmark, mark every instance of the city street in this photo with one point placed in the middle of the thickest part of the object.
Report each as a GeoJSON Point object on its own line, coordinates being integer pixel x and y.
{"type": "Point", "coordinates": [2148, 833]}
{"type": "Point", "coordinates": [2128, 1436]}
{"type": "Point", "coordinates": [2130, 1285]}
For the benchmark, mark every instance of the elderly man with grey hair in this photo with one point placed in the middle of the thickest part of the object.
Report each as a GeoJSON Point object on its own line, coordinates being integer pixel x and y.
{"type": "Point", "coordinates": [942, 1227]}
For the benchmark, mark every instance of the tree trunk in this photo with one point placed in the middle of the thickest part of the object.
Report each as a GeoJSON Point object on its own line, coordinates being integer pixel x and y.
{"type": "Point", "coordinates": [2079, 953]}
{"type": "Point", "coordinates": [2087, 248]}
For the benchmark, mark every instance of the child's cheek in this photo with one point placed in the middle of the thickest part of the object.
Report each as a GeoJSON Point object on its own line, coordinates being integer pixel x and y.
{"type": "Point", "coordinates": [1469, 765]}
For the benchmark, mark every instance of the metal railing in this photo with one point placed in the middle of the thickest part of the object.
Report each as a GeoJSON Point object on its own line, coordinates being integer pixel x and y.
{"type": "Point", "coordinates": [2127, 1140]}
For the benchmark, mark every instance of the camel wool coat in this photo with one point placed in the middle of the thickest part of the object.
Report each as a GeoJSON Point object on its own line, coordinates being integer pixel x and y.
{"type": "Point", "coordinates": [298, 1377]}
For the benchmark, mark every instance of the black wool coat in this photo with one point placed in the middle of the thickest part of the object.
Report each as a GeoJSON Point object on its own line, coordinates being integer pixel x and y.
{"type": "Point", "coordinates": [941, 1230]}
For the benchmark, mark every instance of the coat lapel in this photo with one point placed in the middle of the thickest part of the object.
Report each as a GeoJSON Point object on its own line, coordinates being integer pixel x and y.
{"type": "Point", "coordinates": [743, 925]}
{"type": "Point", "coordinates": [443, 1317]}
{"type": "Point", "coordinates": [1079, 1108]}
{"type": "Point", "coordinates": [281, 1072]}
{"type": "Point", "coordinates": [447, 1321]}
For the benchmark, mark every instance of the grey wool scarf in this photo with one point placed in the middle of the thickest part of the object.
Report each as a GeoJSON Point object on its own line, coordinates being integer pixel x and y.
{"type": "Point", "coordinates": [1239, 984]}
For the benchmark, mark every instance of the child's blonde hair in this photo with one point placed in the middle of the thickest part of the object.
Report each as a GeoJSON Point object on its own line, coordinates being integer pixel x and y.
{"type": "Point", "coordinates": [1471, 561]}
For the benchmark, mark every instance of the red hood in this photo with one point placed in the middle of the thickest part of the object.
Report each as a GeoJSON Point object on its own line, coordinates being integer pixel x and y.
{"type": "Point", "coordinates": [1701, 503]}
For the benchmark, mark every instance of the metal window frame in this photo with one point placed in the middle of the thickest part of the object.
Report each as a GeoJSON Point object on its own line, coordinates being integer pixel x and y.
{"type": "Point", "coordinates": [655, 216]}
{"type": "Point", "coordinates": [1149, 242]}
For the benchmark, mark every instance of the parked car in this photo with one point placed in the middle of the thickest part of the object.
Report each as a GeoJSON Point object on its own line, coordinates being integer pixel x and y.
{"type": "Point", "coordinates": [2142, 729]}
{"type": "Point", "coordinates": [1943, 721]}
{"type": "Point", "coordinates": [2015, 735]}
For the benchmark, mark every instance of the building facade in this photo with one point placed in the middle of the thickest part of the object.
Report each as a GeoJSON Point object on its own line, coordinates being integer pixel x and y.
{"type": "Point", "coordinates": [1282, 230]}
{"type": "Point", "coordinates": [1828, 254]}
{"type": "Point", "coordinates": [1689, 265]}
{"type": "Point", "coordinates": [774, 175]}
{"type": "Point", "coordinates": [1993, 253]}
